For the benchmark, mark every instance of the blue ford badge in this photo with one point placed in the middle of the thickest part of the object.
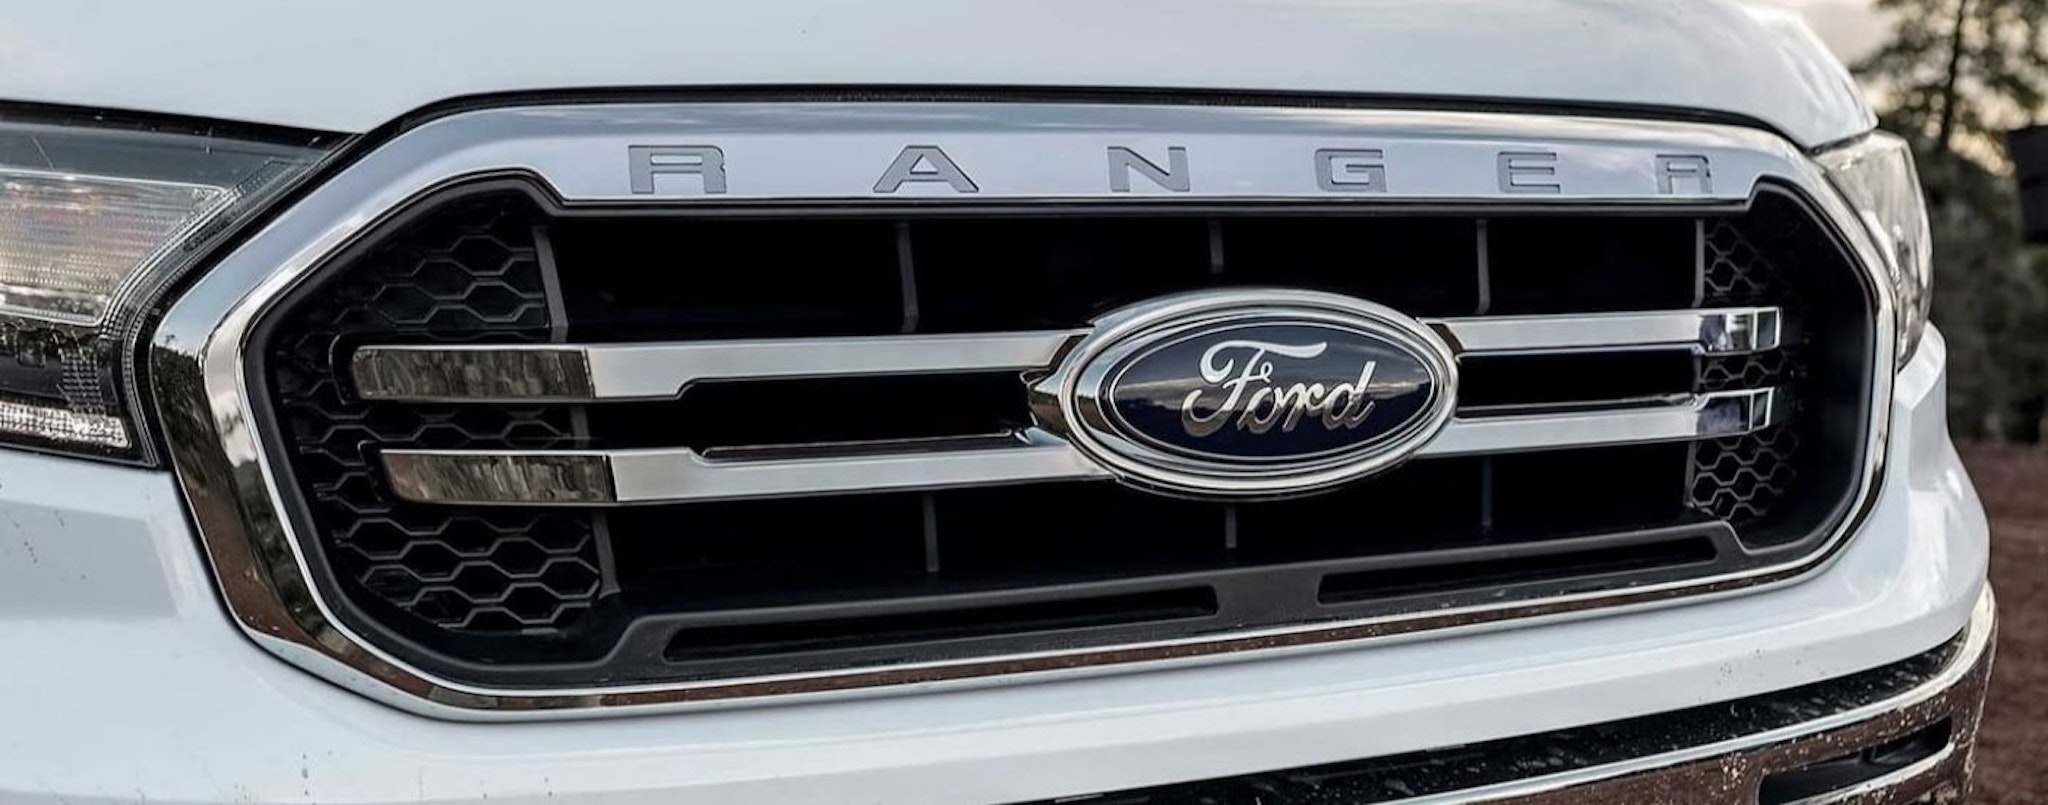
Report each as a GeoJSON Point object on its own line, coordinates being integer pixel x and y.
{"type": "Point", "coordinates": [1251, 392]}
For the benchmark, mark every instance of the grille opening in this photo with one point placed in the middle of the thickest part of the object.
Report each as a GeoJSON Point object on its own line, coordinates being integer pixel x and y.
{"type": "Point", "coordinates": [1784, 481]}
{"type": "Point", "coordinates": [1369, 585]}
{"type": "Point", "coordinates": [1420, 266]}
{"type": "Point", "coordinates": [471, 270]}
{"type": "Point", "coordinates": [764, 553]}
{"type": "Point", "coordinates": [1587, 264]}
{"type": "Point", "coordinates": [1072, 532]}
{"type": "Point", "coordinates": [923, 627]}
{"type": "Point", "coordinates": [1046, 273]}
{"type": "Point", "coordinates": [663, 278]}
{"type": "Point", "coordinates": [1490, 380]}
{"type": "Point", "coordinates": [1432, 504]}
{"type": "Point", "coordinates": [1637, 484]}
{"type": "Point", "coordinates": [780, 412]}
{"type": "Point", "coordinates": [749, 554]}
{"type": "Point", "coordinates": [1848, 771]}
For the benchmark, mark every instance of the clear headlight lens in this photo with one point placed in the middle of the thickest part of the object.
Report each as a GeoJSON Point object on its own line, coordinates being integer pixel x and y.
{"type": "Point", "coordinates": [67, 241]}
{"type": "Point", "coordinates": [1876, 176]}
{"type": "Point", "coordinates": [95, 223]}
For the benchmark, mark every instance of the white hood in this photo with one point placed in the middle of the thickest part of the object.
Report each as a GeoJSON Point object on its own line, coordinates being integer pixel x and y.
{"type": "Point", "coordinates": [351, 66]}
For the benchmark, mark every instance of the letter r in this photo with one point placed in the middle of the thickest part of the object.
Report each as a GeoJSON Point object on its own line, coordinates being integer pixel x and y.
{"type": "Point", "coordinates": [644, 162]}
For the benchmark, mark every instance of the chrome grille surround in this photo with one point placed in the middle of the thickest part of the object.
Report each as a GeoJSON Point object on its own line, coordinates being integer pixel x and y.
{"type": "Point", "coordinates": [830, 154]}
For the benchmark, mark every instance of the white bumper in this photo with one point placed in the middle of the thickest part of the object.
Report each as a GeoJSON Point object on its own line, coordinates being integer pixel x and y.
{"type": "Point", "coordinates": [122, 678]}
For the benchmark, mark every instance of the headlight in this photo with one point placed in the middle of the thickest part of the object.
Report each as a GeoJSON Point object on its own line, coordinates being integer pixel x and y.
{"type": "Point", "coordinates": [95, 223]}
{"type": "Point", "coordinates": [1876, 176]}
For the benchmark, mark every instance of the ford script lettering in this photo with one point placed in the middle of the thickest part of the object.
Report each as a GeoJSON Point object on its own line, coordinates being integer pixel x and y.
{"type": "Point", "coordinates": [1253, 403]}
{"type": "Point", "coordinates": [1267, 390]}
{"type": "Point", "coordinates": [1250, 392]}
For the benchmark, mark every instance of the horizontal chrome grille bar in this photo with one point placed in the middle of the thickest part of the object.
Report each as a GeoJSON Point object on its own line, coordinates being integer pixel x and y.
{"type": "Point", "coordinates": [654, 371]}
{"type": "Point", "coordinates": [675, 475]}
{"type": "Point", "coordinates": [1723, 331]}
{"type": "Point", "coordinates": [667, 475]}
{"type": "Point", "coordinates": [610, 372]}
{"type": "Point", "coordinates": [1704, 416]}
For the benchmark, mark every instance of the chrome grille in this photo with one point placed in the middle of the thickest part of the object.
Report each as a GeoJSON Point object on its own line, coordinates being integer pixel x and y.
{"type": "Point", "coordinates": [526, 374]}
{"type": "Point", "coordinates": [519, 411]}
{"type": "Point", "coordinates": [530, 434]}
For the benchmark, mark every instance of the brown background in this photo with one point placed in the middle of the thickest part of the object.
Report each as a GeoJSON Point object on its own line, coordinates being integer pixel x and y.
{"type": "Point", "coordinates": [2012, 752]}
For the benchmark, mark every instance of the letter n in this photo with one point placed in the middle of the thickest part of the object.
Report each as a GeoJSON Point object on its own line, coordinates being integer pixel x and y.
{"type": "Point", "coordinates": [1122, 161]}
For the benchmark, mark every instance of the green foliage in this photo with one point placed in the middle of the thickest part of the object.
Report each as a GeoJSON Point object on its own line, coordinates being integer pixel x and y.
{"type": "Point", "coordinates": [1962, 72]}
{"type": "Point", "coordinates": [1990, 300]}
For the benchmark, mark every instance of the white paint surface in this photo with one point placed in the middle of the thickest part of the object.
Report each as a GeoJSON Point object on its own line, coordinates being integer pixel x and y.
{"type": "Point", "coordinates": [354, 66]}
{"type": "Point", "coordinates": [158, 696]}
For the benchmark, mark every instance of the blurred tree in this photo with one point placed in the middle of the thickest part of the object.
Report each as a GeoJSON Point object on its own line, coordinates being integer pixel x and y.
{"type": "Point", "coordinates": [1961, 71]}
{"type": "Point", "coordinates": [1991, 301]}
{"type": "Point", "coordinates": [1955, 77]}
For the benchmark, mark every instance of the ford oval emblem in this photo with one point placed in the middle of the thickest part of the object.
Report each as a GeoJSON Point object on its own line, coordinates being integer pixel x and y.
{"type": "Point", "coordinates": [1251, 392]}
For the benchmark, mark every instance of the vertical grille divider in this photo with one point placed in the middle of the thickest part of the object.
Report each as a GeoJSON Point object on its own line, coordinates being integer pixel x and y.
{"type": "Point", "coordinates": [1215, 247]}
{"type": "Point", "coordinates": [1699, 362]}
{"type": "Point", "coordinates": [1699, 262]}
{"type": "Point", "coordinates": [1486, 496]}
{"type": "Point", "coordinates": [579, 415]}
{"type": "Point", "coordinates": [551, 286]}
{"type": "Point", "coordinates": [1216, 265]}
{"type": "Point", "coordinates": [931, 533]}
{"type": "Point", "coordinates": [1485, 268]}
{"type": "Point", "coordinates": [906, 273]}
{"type": "Point", "coordinates": [1484, 265]}
{"type": "Point", "coordinates": [906, 280]}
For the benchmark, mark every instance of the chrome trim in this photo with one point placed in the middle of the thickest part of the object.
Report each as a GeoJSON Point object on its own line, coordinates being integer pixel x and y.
{"type": "Point", "coordinates": [1074, 401]}
{"type": "Point", "coordinates": [1722, 331]}
{"type": "Point", "coordinates": [1731, 771]}
{"type": "Point", "coordinates": [232, 487]}
{"type": "Point", "coordinates": [652, 371]}
{"type": "Point", "coordinates": [1705, 416]}
{"type": "Point", "coordinates": [524, 477]}
{"type": "Point", "coordinates": [679, 475]}
{"type": "Point", "coordinates": [683, 475]}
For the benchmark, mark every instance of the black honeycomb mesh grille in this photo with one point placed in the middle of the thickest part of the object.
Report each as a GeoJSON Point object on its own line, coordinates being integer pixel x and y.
{"type": "Point", "coordinates": [1741, 479]}
{"type": "Point", "coordinates": [1735, 272]}
{"type": "Point", "coordinates": [468, 274]}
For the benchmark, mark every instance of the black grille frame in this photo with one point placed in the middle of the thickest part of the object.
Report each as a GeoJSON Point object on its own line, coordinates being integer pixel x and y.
{"type": "Point", "coordinates": [582, 635]}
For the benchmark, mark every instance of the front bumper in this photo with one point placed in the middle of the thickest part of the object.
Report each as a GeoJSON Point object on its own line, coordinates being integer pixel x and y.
{"type": "Point", "coordinates": [124, 679]}
{"type": "Point", "coordinates": [1899, 733]}
{"type": "Point", "coordinates": [1916, 746]}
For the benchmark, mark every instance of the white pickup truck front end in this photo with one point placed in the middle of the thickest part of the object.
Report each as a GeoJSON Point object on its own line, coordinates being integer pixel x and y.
{"type": "Point", "coordinates": [1400, 409]}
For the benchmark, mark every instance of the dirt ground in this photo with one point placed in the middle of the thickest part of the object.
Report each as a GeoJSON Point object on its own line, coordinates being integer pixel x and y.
{"type": "Point", "coordinates": [2012, 750]}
